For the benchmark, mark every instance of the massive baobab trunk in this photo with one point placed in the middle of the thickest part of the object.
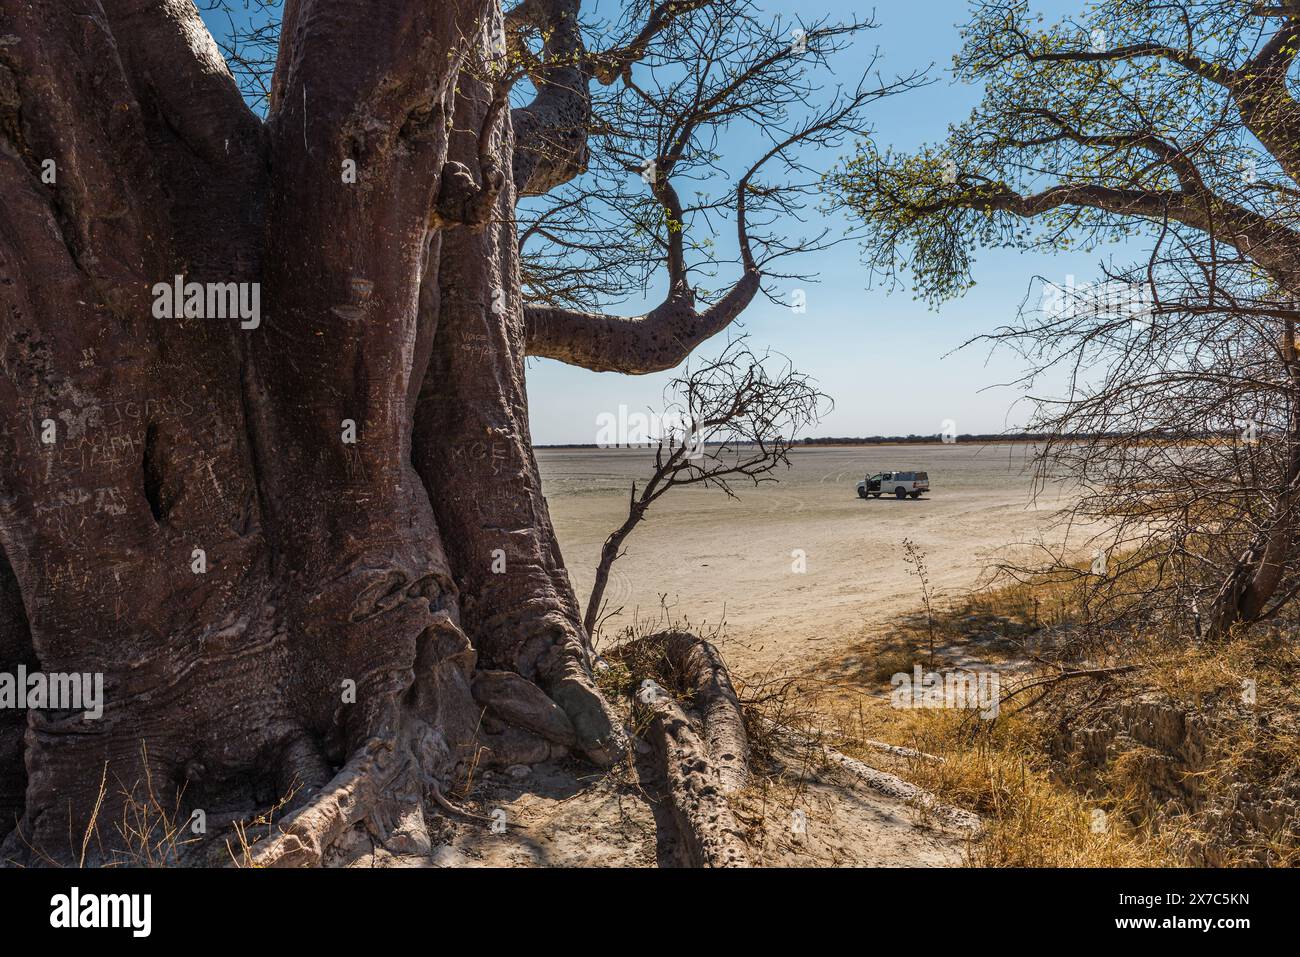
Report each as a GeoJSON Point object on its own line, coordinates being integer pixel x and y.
{"type": "Point", "coordinates": [307, 557]}
{"type": "Point", "coordinates": [294, 519]}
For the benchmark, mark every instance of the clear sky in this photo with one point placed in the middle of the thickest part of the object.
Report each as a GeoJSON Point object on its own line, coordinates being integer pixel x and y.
{"type": "Point", "coordinates": [886, 359]}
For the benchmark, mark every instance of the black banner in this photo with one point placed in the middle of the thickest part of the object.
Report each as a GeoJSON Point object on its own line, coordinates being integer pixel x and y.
{"type": "Point", "coordinates": [334, 906]}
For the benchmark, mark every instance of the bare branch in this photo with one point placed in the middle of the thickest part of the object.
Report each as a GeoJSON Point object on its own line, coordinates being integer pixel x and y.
{"type": "Point", "coordinates": [731, 419]}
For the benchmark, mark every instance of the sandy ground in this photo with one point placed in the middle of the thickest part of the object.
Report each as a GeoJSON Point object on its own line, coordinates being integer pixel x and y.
{"type": "Point", "coordinates": [563, 815]}
{"type": "Point", "coordinates": [717, 559]}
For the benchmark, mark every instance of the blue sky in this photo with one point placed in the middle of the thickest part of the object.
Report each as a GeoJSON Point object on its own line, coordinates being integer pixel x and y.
{"type": "Point", "coordinates": [886, 359]}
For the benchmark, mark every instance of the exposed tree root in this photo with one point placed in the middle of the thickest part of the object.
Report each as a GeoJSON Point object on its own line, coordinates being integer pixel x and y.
{"type": "Point", "coordinates": [882, 782]}
{"type": "Point", "coordinates": [709, 833]}
{"type": "Point", "coordinates": [701, 767]}
{"type": "Point", "coordinates": [440, 799]}
{"type": "Point", "coordinates": [354, 792]}
{"type": "Point", "coordinates": [693, 668]}
{"type": "Point", "coordinates": [702, 749]}
{"type": "Point", "coordinates": [425, 734]}
{"type": "Point", "coordinates": [709, 685]}
{"type": "Point", "coordinates": [899, 751]}
{"type": "Point", "coordinates": [379, 788]}
{"type": "Point", "coordinates": [893, 786]}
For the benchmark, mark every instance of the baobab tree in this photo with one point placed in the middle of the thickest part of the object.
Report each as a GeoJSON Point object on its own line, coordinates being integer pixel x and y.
{"type": "Point", "coordinates": [307, 549]}
{"type": "Point", "coordinates": [1173, 124]}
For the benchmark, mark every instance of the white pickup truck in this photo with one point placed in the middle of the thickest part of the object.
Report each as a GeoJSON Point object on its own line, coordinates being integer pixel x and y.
{"type": "Point", "coordinates": [901, 484]}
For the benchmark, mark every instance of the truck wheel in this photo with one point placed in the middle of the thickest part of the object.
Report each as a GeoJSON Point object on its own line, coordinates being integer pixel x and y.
{"type": "Point", "coordinates": [916, 495]}
{"type": "Point", "coordinates": [900, 492]}
{"type": "Point", "coordinates": [862, 493]}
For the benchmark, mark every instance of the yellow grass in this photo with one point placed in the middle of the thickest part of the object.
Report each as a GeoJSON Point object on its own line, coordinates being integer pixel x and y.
{"type": "Point", "coordinates": [1002, 769]}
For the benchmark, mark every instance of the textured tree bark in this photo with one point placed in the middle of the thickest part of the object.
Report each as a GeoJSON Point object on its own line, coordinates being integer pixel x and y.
{"type": "Point", "coordinates": [473, 450]}
{"type": "Point", "coordinates": [693, 667]}
{"type": "Point", "coordinates": [700, 767]}
{"type": "Point", "coordinates": [348, 468]}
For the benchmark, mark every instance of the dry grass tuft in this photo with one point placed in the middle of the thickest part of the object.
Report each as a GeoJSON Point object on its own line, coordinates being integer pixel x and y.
{"type": "Point", "coordinates": [150, 833]}
{"type": "Point", "coordinates": [1143, 806]}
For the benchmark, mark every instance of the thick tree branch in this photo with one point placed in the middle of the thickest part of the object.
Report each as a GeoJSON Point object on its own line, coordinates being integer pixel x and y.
{"type": "Point", "coordinates": [1206, 69]}
{"type": "Point", "coordinates": [667, 334]}
{"type": "Point", "coordinates": [551, 131]}
{"type": "Point", "coordinates": [661, 338]}
{"type": "Point", "coordinates": [1267, 242]}
{"type": "Point", "coordinates": [209, 145]}
{"type": "Point", "coordinates": [1262, 92]}
{"type": "Point", "coordinates": [634, 345]}
{"type": "Point", "coordinates": [173, 63]}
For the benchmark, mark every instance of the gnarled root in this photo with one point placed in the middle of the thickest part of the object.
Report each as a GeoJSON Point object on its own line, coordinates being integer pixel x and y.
{"type": "Point", "coordinates": [700, 767]}
{"type": "Point", "coordinates": [893, 786]}
{"type": "Point", "coordinates": [704, 821]}
{"type": "Point", "coordinates": [303, 837]}
{"type": "Point", "coordinates": [693, 667]}
{"type": "Point", "coordinates": [705, 676]}
{"type": "Point", "coordinates": [451, 714]}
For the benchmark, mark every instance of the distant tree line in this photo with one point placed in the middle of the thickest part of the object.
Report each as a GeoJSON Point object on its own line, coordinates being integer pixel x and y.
{"type": "Point", "coordinates": [1233, 434]}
